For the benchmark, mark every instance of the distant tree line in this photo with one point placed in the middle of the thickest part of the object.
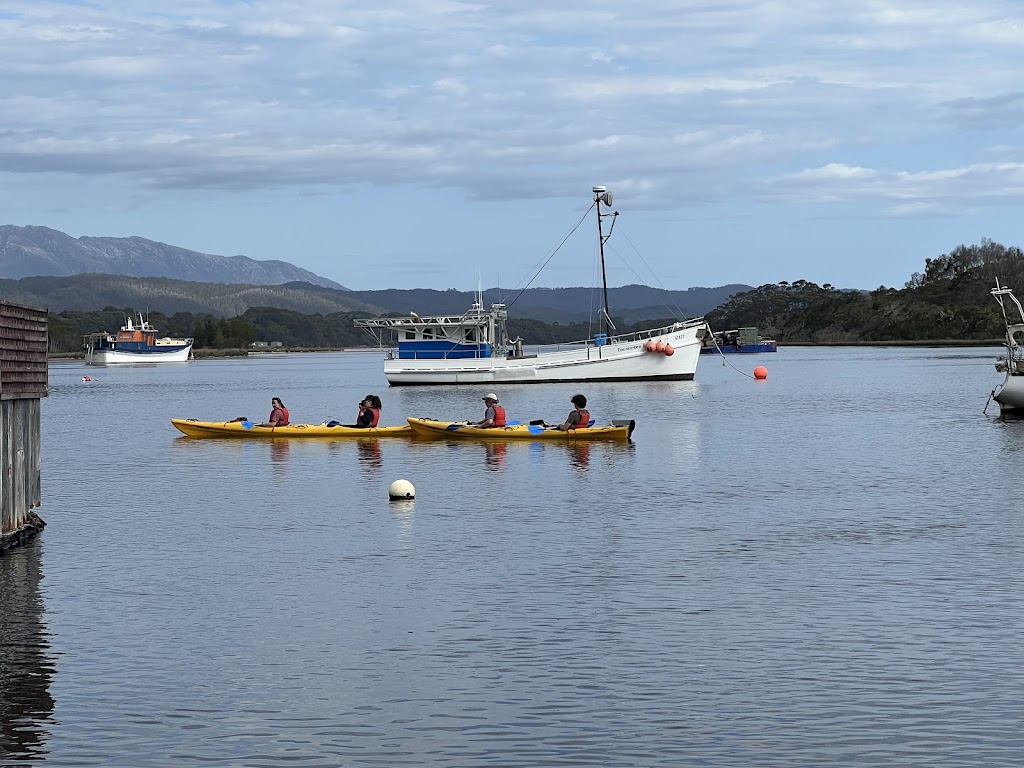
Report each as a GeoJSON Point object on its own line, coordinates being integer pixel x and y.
{"type": "Point", "coordinates": [948, 300]}
{"type": "Point", "coordinates": [292, 329]}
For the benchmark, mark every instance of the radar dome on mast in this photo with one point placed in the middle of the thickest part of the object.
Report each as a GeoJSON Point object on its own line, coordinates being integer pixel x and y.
{"type": "Point", "coordinates": [601, 194]}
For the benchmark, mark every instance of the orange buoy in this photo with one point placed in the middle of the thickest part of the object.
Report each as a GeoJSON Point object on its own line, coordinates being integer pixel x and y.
{"type": "Point", "coordinates": [659, 346]}
{"type": "Point", "coordinates": [649, 346]}
{"type": "Point", "coordinates": [668, 350]}
{"type": "Point", "coordinates": [760, 373]}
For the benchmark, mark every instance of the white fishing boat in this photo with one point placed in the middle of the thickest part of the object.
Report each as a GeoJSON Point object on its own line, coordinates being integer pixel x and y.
{"type": "Point", "coordinates": [1010, 394]}
{"type": "Point", "coordinates": [135, 343]}
{"type": "Point", "coordinates": [475, 348]}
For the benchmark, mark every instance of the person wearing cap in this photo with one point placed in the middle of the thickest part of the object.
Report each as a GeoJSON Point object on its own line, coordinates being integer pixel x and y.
{"type": "Point", "coordinates": [579, 417]}
{"type": "Point", "coordinates": [495, 414]}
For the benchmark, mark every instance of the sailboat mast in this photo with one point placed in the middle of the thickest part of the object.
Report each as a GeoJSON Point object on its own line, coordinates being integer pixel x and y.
{"type": "Point", "coordinates": [601, 194]}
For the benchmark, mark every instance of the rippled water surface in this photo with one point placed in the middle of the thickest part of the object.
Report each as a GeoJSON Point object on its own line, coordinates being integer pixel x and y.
{"type": "Point", "coordinates": [819, 569]}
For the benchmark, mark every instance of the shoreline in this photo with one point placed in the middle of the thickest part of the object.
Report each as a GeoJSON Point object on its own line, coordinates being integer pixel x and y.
{"type": "Point", "coordinates": [206, 354]}
{"type": "Point", "coordinates": [220, 354]}
{"type": "Point", "coordinates": [934, 343]}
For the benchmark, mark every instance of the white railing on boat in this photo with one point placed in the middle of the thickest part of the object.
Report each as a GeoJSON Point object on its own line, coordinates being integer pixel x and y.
{"type": "Point", "coordinates": [391, 353]}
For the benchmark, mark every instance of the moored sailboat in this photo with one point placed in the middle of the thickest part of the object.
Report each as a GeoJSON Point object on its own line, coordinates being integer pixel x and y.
{"type": "Point", "coordinates": [1010, 394]}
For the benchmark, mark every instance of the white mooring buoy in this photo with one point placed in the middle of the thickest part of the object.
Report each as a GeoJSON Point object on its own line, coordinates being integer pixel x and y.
{"type": "Point", "coordinates": [401, 489]}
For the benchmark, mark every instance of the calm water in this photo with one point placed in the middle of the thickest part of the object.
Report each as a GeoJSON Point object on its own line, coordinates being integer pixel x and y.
{"type": "Point", "coordinates": [819, 569]}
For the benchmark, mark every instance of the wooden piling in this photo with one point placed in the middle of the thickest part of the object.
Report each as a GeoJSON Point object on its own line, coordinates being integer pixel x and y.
{"type": "Point", "coordinates": [23, 382]}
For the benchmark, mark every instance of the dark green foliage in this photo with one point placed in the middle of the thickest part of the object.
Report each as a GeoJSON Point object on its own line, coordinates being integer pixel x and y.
{"type": "Point", "coordinates": [949, 300]}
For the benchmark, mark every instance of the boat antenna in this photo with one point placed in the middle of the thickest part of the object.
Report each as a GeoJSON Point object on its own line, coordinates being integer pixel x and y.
{"type": "Point", "coordinates": [602, 195]}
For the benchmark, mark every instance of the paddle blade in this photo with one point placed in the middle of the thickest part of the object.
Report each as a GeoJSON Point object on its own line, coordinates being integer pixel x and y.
{"type": "Point", "coordinates": [247, 424]}
{"type": "Point", "coordinates": [535, 429]}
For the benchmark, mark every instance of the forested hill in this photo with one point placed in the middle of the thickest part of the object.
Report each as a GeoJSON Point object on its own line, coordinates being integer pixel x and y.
{"type": "Point", "coordinates": [558, 305]}
{"type": "Point", "coordinates": [950, 300]}
{"type": "Point", "coordinates": [90, 292]}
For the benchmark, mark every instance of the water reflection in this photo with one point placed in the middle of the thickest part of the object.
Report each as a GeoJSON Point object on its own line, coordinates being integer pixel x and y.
{"type": "Point", "coordinates": [403, 512]}
{"type": "Point", "coordinates": [279, 453]}
{"type": "Point", "coordinates": [495, 456]}
{"type": "Point", "coordinates": [370, 459]}
{"type": "Point", "coordinates": [26, 706]}
{"type": "Point", "coordinates": [500, 455]}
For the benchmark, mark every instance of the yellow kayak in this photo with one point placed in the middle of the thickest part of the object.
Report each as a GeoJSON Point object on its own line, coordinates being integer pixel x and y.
{"type": "Point", "coordinates": [460, 429]}
{"type": "Point", "coordinates": [249, 429]}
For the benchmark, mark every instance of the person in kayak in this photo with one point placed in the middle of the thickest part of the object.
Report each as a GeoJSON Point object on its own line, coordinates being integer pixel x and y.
{"type": "Point", "coordinates": [278, 414]}
{"type": "Point", "coordinates": [494, 416]}
{"type": "Point", "coordinates": [579, 417]}
{"type": "Point", "coordinates": [369, 412]}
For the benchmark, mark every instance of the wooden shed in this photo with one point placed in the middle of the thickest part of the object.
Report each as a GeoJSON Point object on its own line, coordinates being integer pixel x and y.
{"type": "Point", "coordinates": [23, 382]}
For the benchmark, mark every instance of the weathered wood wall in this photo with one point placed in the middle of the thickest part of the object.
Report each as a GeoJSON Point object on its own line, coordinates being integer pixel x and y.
{"type": "Point", "coordinates": [23, 381]}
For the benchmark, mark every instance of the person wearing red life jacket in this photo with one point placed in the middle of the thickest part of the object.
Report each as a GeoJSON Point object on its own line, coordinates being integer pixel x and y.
{"type": "Point", "coordinates": [494, 416]}
{"type": "Point", "coordinates": [579, 417]}
{"type": "Point", "coordinates": [278, 414]}
{"type": "Point", "coordinates": [369, 412]}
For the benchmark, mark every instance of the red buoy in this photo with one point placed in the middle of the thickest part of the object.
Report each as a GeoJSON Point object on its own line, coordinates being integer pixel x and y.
{"type": "Point", "coordinates": [649, 346]}
{"type": "Point", "coordinates": [760, 373]}
{"type": "Point", "coordinates": [659, 346]}
{"type": "Point", "coordinates": [668, 350]}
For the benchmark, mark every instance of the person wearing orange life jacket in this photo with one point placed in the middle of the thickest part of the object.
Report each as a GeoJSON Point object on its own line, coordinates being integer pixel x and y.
{"type": "Point", "coordinates": [494, 416]}
{"type": "Point", "coordinates": [369, 412]}
{"type": "Point", "coordinates": [278, 414]}
{"type": "Point", "coordinates": [579, 417]}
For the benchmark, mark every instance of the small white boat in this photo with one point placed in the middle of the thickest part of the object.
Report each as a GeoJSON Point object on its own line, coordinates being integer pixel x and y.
{"type": "Point", "coordinates": [135, 343]}
{"type": "Point", "coordinates": [1010, 394]}
{"type": "Point", "coordinates": [475, 348]}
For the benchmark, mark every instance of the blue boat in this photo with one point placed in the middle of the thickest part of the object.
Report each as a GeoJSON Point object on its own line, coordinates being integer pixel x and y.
{"type": "Point", "coordinates": [741, 340]}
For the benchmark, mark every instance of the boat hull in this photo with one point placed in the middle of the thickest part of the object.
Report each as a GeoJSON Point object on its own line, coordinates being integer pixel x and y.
{"type": "Point", "coordinates": [745, 349]}
{"type": "Point", "coordinates": [616, 361]}
{"type": "Point", "coordinates": [178, 354]}
{"type": "Point", "coordinates": [1010, 394]}
{"type": "Point", "coordinates": [463, 431]}
{"type": "Point", "coordinates": [238, 429]}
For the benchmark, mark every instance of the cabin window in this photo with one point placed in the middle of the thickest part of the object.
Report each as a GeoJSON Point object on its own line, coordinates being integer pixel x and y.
{"type": "Point", "coordinates": [409, 335]}
{"type": "Point", "coordinates": [471, 335]}
{"type": "Point", "coordinates": [428, 333]}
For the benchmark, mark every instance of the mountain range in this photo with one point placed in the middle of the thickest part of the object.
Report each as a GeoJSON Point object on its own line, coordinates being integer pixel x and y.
{"type": "Point", "coordinates": [159, 294]}
{"type": "Point", "coordinates": [47, 268]}
{"type": "Point", "coordinates": [33, 251]}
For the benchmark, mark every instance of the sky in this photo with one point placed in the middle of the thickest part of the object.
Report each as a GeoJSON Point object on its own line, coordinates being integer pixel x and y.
{"type": "Point", "coordinates": [448, 144]}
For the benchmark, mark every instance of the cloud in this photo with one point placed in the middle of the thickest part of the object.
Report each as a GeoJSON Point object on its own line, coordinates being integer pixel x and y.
{"type": "Point", "coordinates": [950, 191]}
{"type": "Point", "coordinates": [709, 102]}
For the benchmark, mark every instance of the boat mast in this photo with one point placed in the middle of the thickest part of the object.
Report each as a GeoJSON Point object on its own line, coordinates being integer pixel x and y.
{"type": "Point", "coordinates": [1011, 326]}
{"type": "Point", "coordinates": [602, 195]}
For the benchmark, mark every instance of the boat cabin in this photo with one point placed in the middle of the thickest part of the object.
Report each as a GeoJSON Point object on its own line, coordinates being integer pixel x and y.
{"type": "Point", "coordinates": [144, 333]}
{"type": "Point", "coordinates": [478, 333]}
